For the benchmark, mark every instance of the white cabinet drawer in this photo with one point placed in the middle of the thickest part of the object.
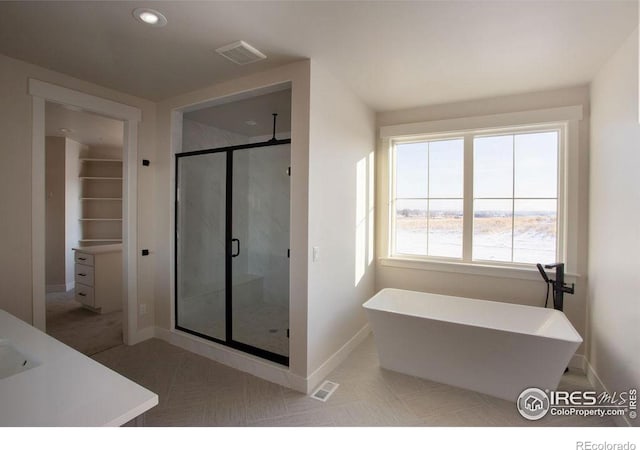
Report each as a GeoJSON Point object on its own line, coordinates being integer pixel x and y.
{"type": "Point", "coordinates": [84, 258]}
{"type": "Point", "coordinates": [84, 274]}
{"type": "Point", "coordinates": [84, 295]}
{"type": "Point", "coordinates": [98, 277]}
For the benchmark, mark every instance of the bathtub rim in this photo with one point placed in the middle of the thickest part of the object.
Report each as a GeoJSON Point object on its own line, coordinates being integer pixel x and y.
{"type": "Point", "coordinates": [579, 339]}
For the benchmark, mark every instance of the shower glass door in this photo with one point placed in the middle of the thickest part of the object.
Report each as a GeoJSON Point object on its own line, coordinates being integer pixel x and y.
{"type": "Point", "coordinates": [201, 245]}
{"type": "Point", "coordinates": [232, 247]}
{"type": "Point", "coordinates": [260, 262]}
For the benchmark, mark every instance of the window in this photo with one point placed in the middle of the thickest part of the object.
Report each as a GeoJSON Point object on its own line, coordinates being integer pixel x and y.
{"type": "Point", "coordinates": [482, 196]}
{"type": "Point", "coordinates": [429, 198]}
{"type": "Point", "coordinates": [515, 197]}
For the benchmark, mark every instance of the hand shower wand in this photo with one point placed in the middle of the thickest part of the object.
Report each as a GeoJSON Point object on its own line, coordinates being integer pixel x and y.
{"type": "Point", "coordinates": [559, 286]}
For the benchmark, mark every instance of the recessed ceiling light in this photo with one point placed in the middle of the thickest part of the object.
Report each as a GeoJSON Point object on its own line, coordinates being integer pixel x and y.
{"type": "Point", "coordinates": [65, 130]}
{"type": "Point", "coordinates": [150, 17]}
{"type": "Point", "coordinates": [251, 123]}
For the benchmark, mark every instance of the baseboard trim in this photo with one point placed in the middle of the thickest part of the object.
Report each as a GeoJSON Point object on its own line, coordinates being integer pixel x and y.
{"type": "Point", "coordinates": [243, 362]}
{"type": "Point", "coordinates": [56, 288]}
{"type": "Point", "coordinates": [578, 362]}
{"type": "Point", "coordinates": [142, 335]}
{"type": "Point", "coordinates": [338, 357]}
{"type": "Point", "coordinates": [596, 382]}
{"type": "Point", "coordinates": [257, 367]}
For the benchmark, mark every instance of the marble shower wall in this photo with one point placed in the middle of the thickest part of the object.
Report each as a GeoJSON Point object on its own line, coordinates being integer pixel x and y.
{"type": "Point", "coordinates": [198, 136]}
{"type": "Point", "coordinates": [202, 211]}
{"type": "Point", "coordinates": [263, 196]}
{"type": "Point", "coordinates": [260, 216]}
{"type": "Point", "coordinates": [201, 224]}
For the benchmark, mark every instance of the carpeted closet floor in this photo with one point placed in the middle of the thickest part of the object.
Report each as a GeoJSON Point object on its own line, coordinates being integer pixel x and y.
{"type": "Point", "coordinates": [79, 328]}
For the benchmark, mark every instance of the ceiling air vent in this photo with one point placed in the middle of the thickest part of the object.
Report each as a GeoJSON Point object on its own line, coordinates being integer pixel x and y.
{"type": "Point", "coordinates": [241, 53]}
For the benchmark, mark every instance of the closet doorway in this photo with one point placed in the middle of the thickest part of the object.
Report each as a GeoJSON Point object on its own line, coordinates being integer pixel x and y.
{"type": "Point", "coordinates": [42, 92]}
{"type": "Point", "coordinates": [84, 210]}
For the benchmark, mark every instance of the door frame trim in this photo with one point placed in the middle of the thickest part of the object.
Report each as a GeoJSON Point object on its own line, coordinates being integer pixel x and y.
{"type": "Point", "coordinates": [42, 92]}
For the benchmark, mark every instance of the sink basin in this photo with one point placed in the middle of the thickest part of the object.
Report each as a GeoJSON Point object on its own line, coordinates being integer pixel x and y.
{"type": "Point", "coordinates": [12, 361]}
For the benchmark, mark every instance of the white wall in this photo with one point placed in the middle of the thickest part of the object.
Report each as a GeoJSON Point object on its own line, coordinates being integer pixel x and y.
{"type": "Point", "coordinates": [614, 284]}
{"type": "Point", "coordinates": [62, 168]}
{"type": "Point", "coordinates": [72, 207]}
{"type": "Point", "coordinates": [341, 154]}
{"type": "Point", "coordinates": [15, 183]}
{"type": "Point", "coordinates": [522, 291]}
{"type": "Point", "coordinates": [54, 215]}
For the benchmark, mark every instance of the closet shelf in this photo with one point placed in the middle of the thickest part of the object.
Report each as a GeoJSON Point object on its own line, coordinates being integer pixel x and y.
{"type": "Point", "coordinates": [100, 240]}
{"type": "Point", "coordinates": [101, 177]}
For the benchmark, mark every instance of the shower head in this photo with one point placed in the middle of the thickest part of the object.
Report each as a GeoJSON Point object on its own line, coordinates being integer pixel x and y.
{"type": "Point", "coordinates": [543, 273]}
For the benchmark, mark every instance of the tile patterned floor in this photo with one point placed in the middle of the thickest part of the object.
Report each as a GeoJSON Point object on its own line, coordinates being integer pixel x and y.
{"type": "Point", "coordinates": [260, 324]}
{"type": "Point", "coordinates": [195, 391]}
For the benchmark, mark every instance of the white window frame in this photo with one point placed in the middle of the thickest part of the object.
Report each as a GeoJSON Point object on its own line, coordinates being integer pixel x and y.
{"type": "Point", "coordinates": [564, 119]}
{"type": "Point", "coordinates": [392, 178]}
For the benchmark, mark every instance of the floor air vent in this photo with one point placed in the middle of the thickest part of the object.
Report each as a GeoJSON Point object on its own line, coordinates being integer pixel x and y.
{"type": "Point", "coordinates": [325, 390]}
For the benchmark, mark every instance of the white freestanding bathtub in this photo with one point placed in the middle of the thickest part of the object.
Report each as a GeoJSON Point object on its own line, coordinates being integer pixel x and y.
{"type": "Point", "coordinates": [494, 348]}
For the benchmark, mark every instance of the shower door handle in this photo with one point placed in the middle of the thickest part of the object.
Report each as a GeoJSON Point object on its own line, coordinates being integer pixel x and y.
{"type": "Point", "coordinates": [233, 255]}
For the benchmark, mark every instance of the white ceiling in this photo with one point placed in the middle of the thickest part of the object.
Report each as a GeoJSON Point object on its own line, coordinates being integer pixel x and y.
{"type": "Point", "coordinates": [84, 127]}
{"type": "Point", "coordinates": [392, 54]}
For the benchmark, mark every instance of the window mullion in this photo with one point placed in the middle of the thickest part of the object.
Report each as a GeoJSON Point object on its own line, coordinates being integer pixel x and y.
{"type": "Point", "coordinates": [513, 192]}
{"type": "Point", "coordinates": [428, 194]}
{"type": "Point", "coordinates": [467, 206]}
{"type": "Point", "coordinates": [391, 242]}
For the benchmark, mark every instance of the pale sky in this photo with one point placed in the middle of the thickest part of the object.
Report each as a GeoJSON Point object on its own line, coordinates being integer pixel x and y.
{"type": "Point", "coordinates": [535, 172]}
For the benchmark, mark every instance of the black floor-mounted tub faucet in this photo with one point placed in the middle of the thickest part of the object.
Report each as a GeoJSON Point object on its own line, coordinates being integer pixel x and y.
{"type": "Point", "coordinates": [559, 286]}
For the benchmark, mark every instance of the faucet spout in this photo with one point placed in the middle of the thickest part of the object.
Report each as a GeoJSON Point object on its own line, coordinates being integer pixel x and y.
{"type": "Point", "coordinates": [559, 286]}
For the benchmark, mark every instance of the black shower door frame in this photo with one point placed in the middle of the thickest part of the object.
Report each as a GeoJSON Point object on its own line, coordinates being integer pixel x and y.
{"type": "Point", "coordinates": [228, 341]}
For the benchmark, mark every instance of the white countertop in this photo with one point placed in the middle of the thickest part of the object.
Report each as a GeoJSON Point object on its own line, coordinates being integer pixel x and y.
{"type": "Point", "coordinates": [67, 388]}
{"type": "Point", "coordinates": [96, 249]}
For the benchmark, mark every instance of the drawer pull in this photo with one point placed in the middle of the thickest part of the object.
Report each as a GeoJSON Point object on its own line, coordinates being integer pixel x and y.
{"type": "Point", "coordinates": [82, 294]}
{"type": "Point", "coordinates": [82, 259]}
{"type": "Point", "coordinates": [82, 274]}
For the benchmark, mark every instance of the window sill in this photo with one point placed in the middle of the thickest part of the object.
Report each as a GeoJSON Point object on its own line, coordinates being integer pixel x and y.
{"type": "Point", "coordinates": [522, 273]}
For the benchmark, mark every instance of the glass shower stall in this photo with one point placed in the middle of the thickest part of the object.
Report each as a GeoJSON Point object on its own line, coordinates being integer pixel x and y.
{"type": "Point", "coordinates": [232, 246]}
